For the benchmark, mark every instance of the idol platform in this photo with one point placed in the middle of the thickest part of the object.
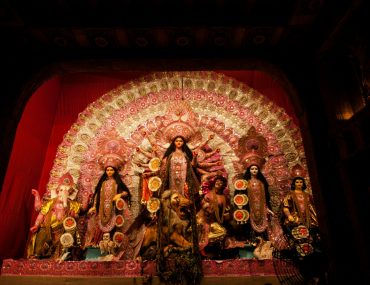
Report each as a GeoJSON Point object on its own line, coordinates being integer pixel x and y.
{"type": "Point", "coordinates": [236, 271]}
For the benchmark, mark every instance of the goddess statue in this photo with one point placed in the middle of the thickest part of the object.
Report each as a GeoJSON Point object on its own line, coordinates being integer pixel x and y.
{"type": "Point", "coordinates": [177, 171]}
{"type": "Point", "coordinates": [253, 149]}
{"type": "Point", "coordinates": [259, 201]}
{"type": "Point", "coordinates": [110, 205]}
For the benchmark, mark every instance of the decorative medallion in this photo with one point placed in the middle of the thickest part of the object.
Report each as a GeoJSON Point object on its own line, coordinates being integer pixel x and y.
{"type": "Point", "coordinates": [120, 204]}
{"type": "Point", "coordinates": [66, 240]}
{"type": "Point", "coordinates": [153, 205]}
{"type": "Point", "coordinates": [118, 238]}
{"type": "Point", "coordinates": [240, 184]}
{"type": "Point", "coordinates": [304, 249]}
{"type": "Point", "coordinates": [155, 164]}
{"type": "Point", "coordinates": [154, 183]}
{"type": "Point", "coordinates": [119, 221]}
{"type": "Point", "coordinates": [240, 200]}
{"type": "Point", "coordinates": [69, 224]}
{"type": "Point", "coordinates": [300, 232]}
{"type": "Point", "coordinates": [241, 216]}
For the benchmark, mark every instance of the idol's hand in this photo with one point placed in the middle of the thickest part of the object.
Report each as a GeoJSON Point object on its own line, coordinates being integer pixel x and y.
{"type": "Point", "coordinates": [37, 203]}
{"type": "Point", "coordinates": [34, 228]}
{"type": "Point", "coordinates": [145, 175]}
{"type": "Point", "coordinates": [35, 193]}
{"type": "Point", "coordinates": [290, 218]}
{"type": "Point", "coordinates": [92, 211]}
{"type": "Point", "coordinates": [116, 197]}
{"type": "Point", "coordinates": [271, 213]}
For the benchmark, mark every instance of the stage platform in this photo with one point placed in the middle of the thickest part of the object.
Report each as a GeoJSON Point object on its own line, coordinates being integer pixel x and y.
{"type": "Point", "coordinates": [236, 271]}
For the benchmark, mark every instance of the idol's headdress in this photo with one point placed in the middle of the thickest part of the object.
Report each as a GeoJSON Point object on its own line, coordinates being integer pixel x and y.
{"type": "Point", "coordinates": [253, 158]}
{"type": "Point", "coordinates": [179, 120]}
{"type": "Point", "coordinates": [298, 171]}
{"type": "Point", "coordinates": [252, 149]}
{"type": "Point", "coordinates": [111, 150]}
{"type": "Point", "coordinates": [110, 159]}
{"type": "Point", "coordinates": [65, 181]}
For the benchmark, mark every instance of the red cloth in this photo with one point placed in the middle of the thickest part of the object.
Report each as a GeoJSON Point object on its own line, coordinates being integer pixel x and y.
{"type": "Point", "coordinates": [48, 115]}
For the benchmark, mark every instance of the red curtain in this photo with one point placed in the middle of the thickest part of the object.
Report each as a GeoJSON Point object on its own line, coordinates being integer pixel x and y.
{"type": "Point", "coordinates": [25, 166]}
{"type": "Point", "coordinates": [48, 115]}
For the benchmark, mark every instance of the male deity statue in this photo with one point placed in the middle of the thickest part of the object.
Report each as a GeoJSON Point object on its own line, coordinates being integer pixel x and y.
{"type": "Point", "coordinates": [55, 218]}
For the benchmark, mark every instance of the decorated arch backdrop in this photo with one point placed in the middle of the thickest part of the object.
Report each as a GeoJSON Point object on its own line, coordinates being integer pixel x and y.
{"type": "Point", "coordinates": [226, 104]}
{"type": "Point", "coordinates": [205, 102]}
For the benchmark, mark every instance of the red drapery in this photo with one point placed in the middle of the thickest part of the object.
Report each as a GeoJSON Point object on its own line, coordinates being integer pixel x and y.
{"type": "Point", "coordinates": [25, 166]}
{"type": "Point", "coordinates": [48, 115]}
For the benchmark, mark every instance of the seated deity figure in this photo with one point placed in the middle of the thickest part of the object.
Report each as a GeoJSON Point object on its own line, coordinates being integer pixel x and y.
{"type": "Point", "coordinates": [106, 245]}
{"type": "Point", "coordinates": [263, 249]}
{"type": "Point", "coordinates": [55, 228]}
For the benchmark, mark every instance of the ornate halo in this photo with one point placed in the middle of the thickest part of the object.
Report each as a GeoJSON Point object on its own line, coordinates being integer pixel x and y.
{"type": "Point", "coordinates": [240, 200]}
{"type": "Point", "coordinates": [153, 205]}
{"type": "Point", "coordinates": [154, 164]}
{"type": "Point", "coordinates": [66, 240]}
{"type": "Point", "coordinates": [154, 183]}
{"type": "Point", "coordinates": [118, 238]}
{"type": "Point", "coordinates": [240, 184]}
{"type": "Point", "coordinates": [120, 204]}
{"type": "Point", "coordinates": [69, 224]}
{"type": "Point", "coordinates": [119, 221]}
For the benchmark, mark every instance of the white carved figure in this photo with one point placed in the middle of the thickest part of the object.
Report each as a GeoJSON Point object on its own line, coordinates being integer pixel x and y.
{"type": "Point", "coordinates": [106, 245]}
{"type": "Point", "coordinates": [263, 249]}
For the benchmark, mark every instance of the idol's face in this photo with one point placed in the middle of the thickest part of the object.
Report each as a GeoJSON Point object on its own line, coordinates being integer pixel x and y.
{"type": "Point", "coordinates": [62, 193]}
{"type": "Point", "coordinates": [298, 184]}
{"type": "Point", "coordinates": [106, 236]}
{"type": "Point", "coordinates": [179, 142]}
{"type": "Point", "coordinates": [109, 171]}
{"type": "Point", "coordinates": [254, 170]}
{"type": "Point", "coordinates": [219, 184]}
{"type": "Point", "coordinates": [175, 200]}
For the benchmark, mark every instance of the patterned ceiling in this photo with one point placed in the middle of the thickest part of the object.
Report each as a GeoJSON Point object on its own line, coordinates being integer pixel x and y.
{"type": "Point", "coordinates": [250, 25]}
